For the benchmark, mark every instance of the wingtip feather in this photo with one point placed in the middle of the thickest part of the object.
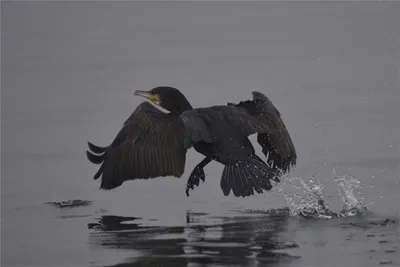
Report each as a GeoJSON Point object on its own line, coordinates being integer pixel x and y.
{"type": "Point", "coordinates": [96, 159]}
{"type": "Point", "coordinates": [96, 149]}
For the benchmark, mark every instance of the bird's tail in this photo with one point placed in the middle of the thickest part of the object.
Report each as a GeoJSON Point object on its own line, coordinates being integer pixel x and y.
{"type": "Point", "coordinates": [248, 176]}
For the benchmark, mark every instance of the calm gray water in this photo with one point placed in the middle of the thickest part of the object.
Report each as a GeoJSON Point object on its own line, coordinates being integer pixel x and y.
{"type": "Point", "coordinates": [68, 72]}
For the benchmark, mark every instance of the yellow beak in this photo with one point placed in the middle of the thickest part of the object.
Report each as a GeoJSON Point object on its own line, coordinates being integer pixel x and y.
{"type": "Point", "coordinates": [150, 96]}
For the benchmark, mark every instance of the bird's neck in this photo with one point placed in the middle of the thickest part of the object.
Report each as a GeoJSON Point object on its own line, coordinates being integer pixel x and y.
{"type": "Point", "coordinates": [182, 107]}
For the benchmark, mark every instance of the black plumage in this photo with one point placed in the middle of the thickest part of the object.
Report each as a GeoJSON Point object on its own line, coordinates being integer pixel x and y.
{"type": "Point", "coordinates": [152, 143]}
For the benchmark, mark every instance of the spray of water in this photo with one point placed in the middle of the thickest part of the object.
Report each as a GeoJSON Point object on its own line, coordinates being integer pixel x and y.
{"type": "Point", "coordinates": [305, 198]}
{"type": "Point", "coordinates": [353, 200]}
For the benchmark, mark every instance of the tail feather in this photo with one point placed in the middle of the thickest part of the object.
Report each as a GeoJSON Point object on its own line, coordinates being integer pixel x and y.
{"type": "Point", "coordinates": [248, 184]}
{"type": "Point", "coordinates": [96, 149]}
{"type": "Point", "coordinates": [246, 177]}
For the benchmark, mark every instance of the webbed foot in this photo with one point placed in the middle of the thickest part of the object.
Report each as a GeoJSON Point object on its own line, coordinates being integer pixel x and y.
{"type": "Point", "coordinates": [194, 179]}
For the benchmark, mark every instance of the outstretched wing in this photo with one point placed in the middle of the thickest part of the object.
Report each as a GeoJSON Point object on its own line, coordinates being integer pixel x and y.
{"type": "Point", "coordinates": [150, 144]}
{"type": "Point", "coordinates": [260, 116]}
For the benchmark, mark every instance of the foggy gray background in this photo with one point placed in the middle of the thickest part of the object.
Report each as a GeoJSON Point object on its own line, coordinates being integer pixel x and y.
{"type": "Point", "coordinates": [69, 69]}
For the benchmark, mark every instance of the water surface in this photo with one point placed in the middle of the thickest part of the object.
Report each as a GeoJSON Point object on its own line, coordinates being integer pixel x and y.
{"type": "Point", "coordinates": [68, 72]}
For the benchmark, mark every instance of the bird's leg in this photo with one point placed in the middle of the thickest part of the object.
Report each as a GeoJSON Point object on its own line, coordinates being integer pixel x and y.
{"type": "Point", "coordinates": [197, 174]}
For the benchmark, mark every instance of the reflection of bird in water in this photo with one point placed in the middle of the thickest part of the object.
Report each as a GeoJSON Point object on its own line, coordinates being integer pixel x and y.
{"type": "Point", "coordinates": [245, 239]}
{"type": "Point", "coordinates": [152, 143]}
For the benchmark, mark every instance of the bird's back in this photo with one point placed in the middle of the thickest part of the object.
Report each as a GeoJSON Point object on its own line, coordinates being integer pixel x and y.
{"type": "Point", "coordinates": [228, 143]}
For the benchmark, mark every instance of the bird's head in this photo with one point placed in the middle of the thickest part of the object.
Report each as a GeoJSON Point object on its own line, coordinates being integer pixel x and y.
{"type": "Point", "coordinates": [166, 97]}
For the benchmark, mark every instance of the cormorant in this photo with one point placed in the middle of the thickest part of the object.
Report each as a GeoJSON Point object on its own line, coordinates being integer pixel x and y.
{"type": "Point", "coordinates": [152, 143]}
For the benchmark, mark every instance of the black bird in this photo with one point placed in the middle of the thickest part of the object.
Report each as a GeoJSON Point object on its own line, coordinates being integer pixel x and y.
{"type": "Point", "coordinates": [152, 143]}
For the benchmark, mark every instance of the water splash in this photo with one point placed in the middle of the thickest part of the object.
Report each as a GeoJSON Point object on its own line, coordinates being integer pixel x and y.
{"type": "Point", "coordinates": [308, 200]}
{"type": "Point", "coordinates": [353, 202]}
